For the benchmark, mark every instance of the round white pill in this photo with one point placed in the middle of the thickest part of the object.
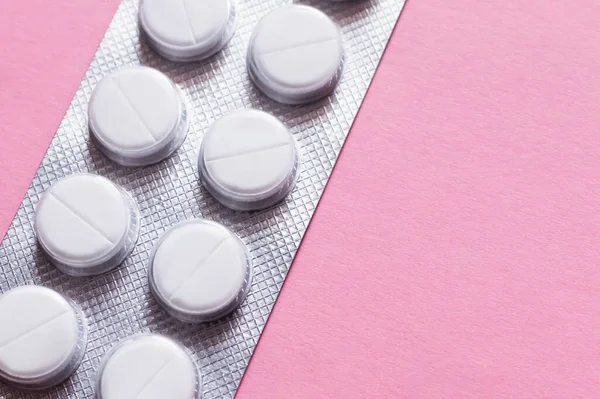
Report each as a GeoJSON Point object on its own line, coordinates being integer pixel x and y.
{"type": "Point", "coordinates": [86, 224]}
{"type": "Point", "coordinates": [148, 367]}
{"type": "Point", "coordinates": [295, 54]}
{"type": "Point", "coordinates": [199, 271]}
{"type": "Point", "coordinates": [137, 116]}
{"type": "Point", "coordinates": [248, 160]}
{"type": "Point", "coordinates": [42, 337]}
{"type": "Point", "coordinates": [187, 30]}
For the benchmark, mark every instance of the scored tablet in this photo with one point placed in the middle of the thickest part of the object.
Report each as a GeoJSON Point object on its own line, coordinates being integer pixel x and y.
{"type": "Point", "coordinates": [42, 337]}
{"type": "Point", "coordinates": [137, 116]}
{"type": "Point", "coordinates": [148, 366]}
{"type": "Point", "coordinates": [295, 54]}
{"type": "Point", "coordinates": [248, 160]}
{"type": "Point", "coordinates": [187, 30]}
{"type": "Point", "coordinates": [86, 224]}
{"type": "Point", "coordinates": [199, 271]}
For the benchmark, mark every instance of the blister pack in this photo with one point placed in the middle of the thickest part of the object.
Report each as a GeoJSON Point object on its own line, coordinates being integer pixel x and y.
{"type": "Point", "coordinates": [257, 98]}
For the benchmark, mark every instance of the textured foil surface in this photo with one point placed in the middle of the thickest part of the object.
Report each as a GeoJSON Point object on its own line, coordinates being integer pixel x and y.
{"type": "Point", "coordinates": [119, 304]}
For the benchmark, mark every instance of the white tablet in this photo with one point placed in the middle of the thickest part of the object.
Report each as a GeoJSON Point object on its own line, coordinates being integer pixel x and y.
{"type": "Point", "coordinates": [187, 30]}
{"type": "Point", "coordinates": [43, 337]}
{"type": "Point", "coordinates": [295, 54]}
{"type": "Point", "coordinates": [248, 160]}
{"type": "Point", "coordinates": [199, 271]}
{"type": "Point", "coordinates": [148, 366]}
{"type": "Point", "coordinates": [86, 224]}
{"type": "Point", "coordinates": [137, 116]}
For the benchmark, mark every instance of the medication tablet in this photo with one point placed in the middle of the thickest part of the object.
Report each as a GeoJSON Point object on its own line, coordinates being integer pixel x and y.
{"type": "Point", "coordinates": [148, 367]}
{"type": "Point", "coordinates": [86, 224]}
{"type": "Point", "coordinates": [42, 337]}
{"type": "Point", "coordinates": [295, 55]}
{"type": "Point", "coordinates": [137, 116]}
{"type": "Point", "coordinates": [199, 271]}
{"type": "Point", "coordinates": [248, 160]}
{"type": "Point", "coordinates": [187, 30]}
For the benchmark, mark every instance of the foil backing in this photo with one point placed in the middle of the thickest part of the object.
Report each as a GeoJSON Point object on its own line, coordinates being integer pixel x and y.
{"type": "Point", "coordinates": [118, 304]}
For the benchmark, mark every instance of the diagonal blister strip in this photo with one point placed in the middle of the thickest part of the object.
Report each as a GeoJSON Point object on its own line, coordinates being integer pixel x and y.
{"type": "Point", "coordinates": [118, 304]}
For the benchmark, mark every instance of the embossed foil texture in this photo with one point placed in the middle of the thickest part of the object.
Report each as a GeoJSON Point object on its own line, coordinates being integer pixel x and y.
{"type": "Point", "coordinates": [119, 304]}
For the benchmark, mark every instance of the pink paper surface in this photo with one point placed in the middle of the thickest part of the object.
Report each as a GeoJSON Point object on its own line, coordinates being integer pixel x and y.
{"type": "Point", "coordinates": [45, 49]}
{"type": "Point", "coordinates": [456, 251]}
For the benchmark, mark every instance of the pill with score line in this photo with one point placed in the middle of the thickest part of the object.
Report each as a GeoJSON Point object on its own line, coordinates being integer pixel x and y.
{"type": "Point", "coordinates": [295, 54]}
{"type": "Point", "coordinates": [137, 116]}
{"type": "Point", "coordinates": [187, 30]}
{"type": "Point", "coordinates": [248, 160]}
{"type": "Point", "coordinates": [148, 366]}
{"type": "Point", "coordinates": [86, 224]}
{"type": "Point", "coordinates": [199, 271]}
{"type": "Point", "coordinates": [43, 336]}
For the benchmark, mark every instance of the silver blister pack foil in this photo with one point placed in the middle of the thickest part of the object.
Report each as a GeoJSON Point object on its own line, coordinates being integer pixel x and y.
{"type": "Point", "coordinates": [118, 304]}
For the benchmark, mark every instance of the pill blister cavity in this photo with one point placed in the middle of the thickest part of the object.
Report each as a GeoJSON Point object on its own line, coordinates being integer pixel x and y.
{"type": "Point", "coordinates": [199, 271]}
{"type": "Point", "coordinates": [42, 337]}
{"type": "Point", "coordinates": [187, 30]}
{"type": "Point", "coordinates": [248, 160]}
{"type": "Point", "coordinates": [86, 224]}
{"type": "Point", "coordinates": [148, 367]}
{"type": "Point", "coordinates": [137, 116]}
{"type": "Point", "coordinates": [295, 54]}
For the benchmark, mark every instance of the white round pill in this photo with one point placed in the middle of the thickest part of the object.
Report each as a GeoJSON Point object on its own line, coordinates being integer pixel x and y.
{"type": "Point", "coordinates": [199, 271]}
{"type": "Point", "coordinates": [148, 367]}
{"type": "Point", "coordinates": [187, 30]}
{"type": "Point", "coordinates": [42, 337]}
{"type": "Point", "coordinates": [86, 224]}
{"type": "Point", "coordinates": [248, 160]}
{"type": "Point", "coordinates": [295, 54]}
{"type": "Point", "coordinates": [137, 116]}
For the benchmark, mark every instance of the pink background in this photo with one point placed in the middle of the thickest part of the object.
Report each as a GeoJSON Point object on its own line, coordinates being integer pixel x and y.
{"type": "Point", "coordinates": [455, 252]}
